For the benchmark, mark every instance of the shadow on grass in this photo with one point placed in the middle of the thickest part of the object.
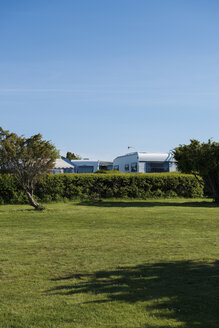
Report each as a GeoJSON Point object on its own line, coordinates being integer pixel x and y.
{"type": "Point", "coordinates": [18, 210]}
{"type": "Point", "coordinates": [148, 203]}
{"type": "Point", "coordinates": [185, 291]}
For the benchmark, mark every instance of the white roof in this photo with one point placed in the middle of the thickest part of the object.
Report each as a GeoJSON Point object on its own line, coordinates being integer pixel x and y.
{"type": "Point", "coordinates": [83, 162]}
{"type": "Point", "coordinates": [62, 164]}
{"type": "Point", "coordinates": [151, 157]}
{"type": "Point", "coordinates": [154, 157]}
{"type": "Point", "coordinates": [89, 162]}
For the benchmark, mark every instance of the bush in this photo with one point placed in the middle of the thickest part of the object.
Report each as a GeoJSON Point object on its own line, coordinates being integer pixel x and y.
{"type": "Point", "coordinates": [104, 171]}
{"type": "Point", "coordinates": [72, 186]}
{"type": "Point", "coordinates": [10, 193]}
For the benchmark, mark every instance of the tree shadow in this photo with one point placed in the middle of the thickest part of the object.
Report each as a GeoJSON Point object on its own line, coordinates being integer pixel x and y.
{"type": "Point", "coordinates": [185, 291]}
{"type": "Point", "coordinates": [18, 210]}
{"type": "Point", "coordinates": [148, 204]}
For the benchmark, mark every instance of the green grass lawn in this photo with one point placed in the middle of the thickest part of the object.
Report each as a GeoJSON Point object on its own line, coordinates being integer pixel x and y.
{"type": "Point", "coordinates": [148, 264]}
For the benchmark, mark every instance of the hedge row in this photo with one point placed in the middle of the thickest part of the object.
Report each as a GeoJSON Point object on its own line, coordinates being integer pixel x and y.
{"type": "Point", "coordinates": [71, 186]}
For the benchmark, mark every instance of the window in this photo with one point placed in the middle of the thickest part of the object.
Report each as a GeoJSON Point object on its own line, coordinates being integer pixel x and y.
{"type": "Point", "coordinates": [116, 167]}
{"type": "Point", "coordinates": [134, 167]}
{"type": "Point", "coordinates": [69, 170]}
{"type": "Point", "coordinates": [85, 169]}
{"type": "Point", "coordinates": [157, 167]}
{"type": "Point", "coordinates": [126, 167]}
{"type": "Point", "coordinates": [57, 171]}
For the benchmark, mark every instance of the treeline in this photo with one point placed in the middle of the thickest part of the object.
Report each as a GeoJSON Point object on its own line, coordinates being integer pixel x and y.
{"type": "Point", "coordinates": [96, 186]}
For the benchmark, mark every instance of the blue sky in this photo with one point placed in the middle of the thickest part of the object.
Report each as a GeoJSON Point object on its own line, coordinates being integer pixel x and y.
{"type": "Point", "coordinates": [95, 77]}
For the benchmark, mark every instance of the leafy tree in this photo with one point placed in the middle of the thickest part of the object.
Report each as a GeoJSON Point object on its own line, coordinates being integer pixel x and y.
{"type": "Point", "coordinates": [201, 159]}
{"type": "Point", "coordinates": [27, 159]}
{"type": "Point", "coordinates": [70, 156]}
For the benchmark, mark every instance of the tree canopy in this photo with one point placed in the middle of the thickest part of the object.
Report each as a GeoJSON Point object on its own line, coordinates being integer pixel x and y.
{"type": "Point", "coordinates": [70, 156]}
{"type": "Point", "coordinates": [201, 159]}
{"type": "Point", "coordinates": [27, 159]}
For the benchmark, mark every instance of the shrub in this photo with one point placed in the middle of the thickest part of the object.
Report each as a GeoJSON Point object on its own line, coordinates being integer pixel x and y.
{"type": "Point", "coordinates": [104, 171]}
{"type": "Point", "coordinates": [72, 186]}
{"type": "Point", "coordinates": [10, 192]}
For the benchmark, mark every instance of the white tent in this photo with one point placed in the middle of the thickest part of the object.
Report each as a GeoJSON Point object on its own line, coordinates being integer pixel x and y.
{"type": "Point", "coordinates": [62, 166]}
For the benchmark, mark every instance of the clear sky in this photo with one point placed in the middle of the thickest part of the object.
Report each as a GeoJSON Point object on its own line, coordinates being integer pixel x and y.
{"type": "Point", "coordinates": [97, 76]}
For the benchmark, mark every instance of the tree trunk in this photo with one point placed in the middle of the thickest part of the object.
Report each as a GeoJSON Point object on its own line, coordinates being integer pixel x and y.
{"type": "Point", "coordinates": [212, 186]}
{"type": "Point", "coordinates": [216, 198]}
{"type": "Point", "coordinates": [32, 200]}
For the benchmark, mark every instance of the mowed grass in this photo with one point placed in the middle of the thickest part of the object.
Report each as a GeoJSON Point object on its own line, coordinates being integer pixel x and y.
{"type": "Point", "coordinates": [151, 264]}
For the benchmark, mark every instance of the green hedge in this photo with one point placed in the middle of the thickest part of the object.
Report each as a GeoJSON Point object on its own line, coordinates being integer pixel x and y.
{"type": "Point", "coordinates": [71, 186]}
{"type": "Point", "coordinates": [10, 193]}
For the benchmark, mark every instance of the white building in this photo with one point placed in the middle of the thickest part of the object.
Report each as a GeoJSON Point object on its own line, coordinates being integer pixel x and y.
{"type": "Point", "coordinates": [145, 162]}
{"type": "Point", "coordinates": [89, 166]}
{"type": "Point", "coordinates": [62, 166]}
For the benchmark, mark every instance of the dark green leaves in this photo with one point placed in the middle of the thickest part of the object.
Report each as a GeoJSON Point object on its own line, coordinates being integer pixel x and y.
{"type": "Point", "coordinates": [201, 158]}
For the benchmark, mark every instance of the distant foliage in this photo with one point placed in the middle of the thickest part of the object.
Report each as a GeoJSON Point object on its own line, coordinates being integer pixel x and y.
{"type": "Point", "coordinates": [71, 186]}
{"type": "Point", "coordinates": [71, 156]}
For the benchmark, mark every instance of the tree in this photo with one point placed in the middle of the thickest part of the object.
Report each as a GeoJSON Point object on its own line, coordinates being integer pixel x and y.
{"type": "Point", "coordinates": [27, 159]}
{"type": "Point", "coordinates": [70, 156]}
{"type": "Point", "coordinates": [201, 159]}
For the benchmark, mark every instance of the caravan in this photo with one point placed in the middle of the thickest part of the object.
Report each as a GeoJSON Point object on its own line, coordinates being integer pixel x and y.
{"type": "Point", "coordinates": [142, 162]}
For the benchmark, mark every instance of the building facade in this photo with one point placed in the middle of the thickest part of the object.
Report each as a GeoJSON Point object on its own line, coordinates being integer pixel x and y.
{"type": "Point", "coordinates": [89, 166]}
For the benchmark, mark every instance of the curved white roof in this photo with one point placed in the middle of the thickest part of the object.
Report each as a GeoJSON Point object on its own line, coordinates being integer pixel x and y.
{"type": "Point", "coordinates": [154, 157]}
{"type": "Point", "coordinates": [150, 157]}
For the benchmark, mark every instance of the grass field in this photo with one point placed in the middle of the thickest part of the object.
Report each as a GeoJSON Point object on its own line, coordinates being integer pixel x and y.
{"type": "Point", "coordinates": [148, 264]}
